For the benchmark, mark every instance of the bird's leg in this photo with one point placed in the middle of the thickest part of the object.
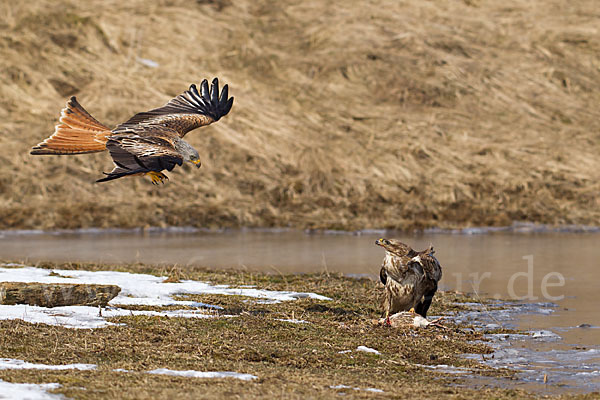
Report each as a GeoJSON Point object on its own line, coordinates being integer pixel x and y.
{"type": "Point", "coordinates": [412, 310]}
{"type": "Point", "coordinates": [387, 318]}
{"type": "Point", "coordinates": [157, 177]}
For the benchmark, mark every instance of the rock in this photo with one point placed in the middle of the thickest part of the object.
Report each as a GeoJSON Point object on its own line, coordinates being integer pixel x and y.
{"type": "Point", "coordinates": [56, 294]}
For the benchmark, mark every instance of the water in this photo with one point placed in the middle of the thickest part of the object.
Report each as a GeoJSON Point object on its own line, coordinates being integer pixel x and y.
{"type": "Point", "coordinates": [541, 355]}
{"type": "Point", "coordinates": [556, 273]}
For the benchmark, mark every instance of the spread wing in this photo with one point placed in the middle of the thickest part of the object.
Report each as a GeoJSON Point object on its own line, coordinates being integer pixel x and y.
{"type": "Point", "coordinates": [188, 111]}
{"type": "Point", "coordinates": [134, 154]}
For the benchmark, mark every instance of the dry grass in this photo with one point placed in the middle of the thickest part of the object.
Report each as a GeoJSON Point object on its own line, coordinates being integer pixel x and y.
{"type": "Point", "coordinates": [290, 360]}
{"type": "Point", "coordinates": [348, 114]}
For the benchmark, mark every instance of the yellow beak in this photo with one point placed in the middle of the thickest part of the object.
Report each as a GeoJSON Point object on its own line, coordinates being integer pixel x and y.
{"type": "Point", "coordinates": [197, 163]}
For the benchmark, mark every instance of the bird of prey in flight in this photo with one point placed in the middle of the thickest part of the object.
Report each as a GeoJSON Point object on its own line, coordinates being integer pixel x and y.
{"type": "Point", "coordinates": [146, 144]}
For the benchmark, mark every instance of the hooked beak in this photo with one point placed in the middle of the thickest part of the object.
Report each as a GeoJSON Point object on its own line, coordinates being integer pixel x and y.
{"type": "Point", "coordinates": [382, 242]}
{"type": "Point", "coordinates": [197, 163]}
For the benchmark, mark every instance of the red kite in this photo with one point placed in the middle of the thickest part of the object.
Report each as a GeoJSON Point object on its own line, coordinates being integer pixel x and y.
{"type": "Point", "coordinates": [146, 144]}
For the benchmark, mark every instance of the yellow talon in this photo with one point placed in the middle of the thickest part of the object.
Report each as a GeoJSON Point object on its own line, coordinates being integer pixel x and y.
{"type": "Point", "coordinates": [157, 177]}
{"type": "Point", "coordinates": [412, 310]}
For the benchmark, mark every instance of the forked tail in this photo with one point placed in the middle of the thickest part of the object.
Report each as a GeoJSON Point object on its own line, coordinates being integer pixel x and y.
{"type": "Point", "coordinates": [77, 133]}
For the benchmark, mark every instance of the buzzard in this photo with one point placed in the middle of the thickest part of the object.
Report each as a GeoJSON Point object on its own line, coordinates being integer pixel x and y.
{"type": "Point", "coordinates": [410, 277]}
{"type": "Point", "coordinates": [146, 144]}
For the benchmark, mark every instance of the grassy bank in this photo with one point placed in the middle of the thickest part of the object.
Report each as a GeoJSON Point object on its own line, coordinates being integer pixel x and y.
{"type": "Point", "coordinates": [348, 114]}
{"type": "Point", "coordinates": [290, 360]}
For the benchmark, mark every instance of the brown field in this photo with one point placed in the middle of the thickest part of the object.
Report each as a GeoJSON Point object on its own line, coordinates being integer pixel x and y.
{"type": "Point", "coordinates": [348, 114]}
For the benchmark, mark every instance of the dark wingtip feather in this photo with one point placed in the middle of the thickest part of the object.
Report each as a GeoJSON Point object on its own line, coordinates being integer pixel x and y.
{"type": "Point", "coordinates": [228, 106]}
{"type": "Point", "coordinates": [214, 91]}
{"type": "Point", "coordinates": [224, 94]}
{"type": "Point", "coordinates": [213, 103]}
{"type": "Point", "coordinates": [204, 89]}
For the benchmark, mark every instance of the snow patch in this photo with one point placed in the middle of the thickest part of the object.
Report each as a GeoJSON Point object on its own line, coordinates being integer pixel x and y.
{"type": "Point", "coordinates": [546, 335]}
{"type": "Point", "coordinates": [136, 289]}
{"type": "Point", "coordinates": [374, 390]}
{"type": "Point", "coordinates": [144, 289]}
{"type": "Point", "coordinates": [200, 374]}
{"type": "Point", "coordinates": [293, 321]}
{"type": "Point", "coordinates": [29, 391]}
{"type": "Point", "coordinates": [83, 317]}
{"type": "Point", "coordinates": [11, 363]}
{"type": "Point", "coordinates": [367, 350]}
{"type": "Point", "coordinates": [448, 369]}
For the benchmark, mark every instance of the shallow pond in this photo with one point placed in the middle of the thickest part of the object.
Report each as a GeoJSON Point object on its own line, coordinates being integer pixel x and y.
{"type": "Point", "coordinates": [556, 273]}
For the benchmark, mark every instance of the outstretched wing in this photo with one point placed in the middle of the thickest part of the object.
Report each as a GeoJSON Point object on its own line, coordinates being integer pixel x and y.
{"type": "Point", "coordinates": [133, 154]}
{"type": "Point", "coordinates": [188, 111]}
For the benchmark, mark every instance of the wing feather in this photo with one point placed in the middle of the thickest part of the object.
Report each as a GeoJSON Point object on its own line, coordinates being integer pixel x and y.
{"type": "Point", "coordinates": [188, 111]}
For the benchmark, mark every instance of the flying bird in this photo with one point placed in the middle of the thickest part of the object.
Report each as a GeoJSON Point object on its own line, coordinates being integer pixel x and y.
{"type": "Point", "coordinates": [146, 144]}
{"type": "Point", "coordinates": [410, 278]}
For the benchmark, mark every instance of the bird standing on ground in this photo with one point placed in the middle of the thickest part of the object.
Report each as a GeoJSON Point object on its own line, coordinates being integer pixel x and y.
{"type": "Point", "coordinates": [146, 144]}
{"type": "Point", "coordinates": [410, 277]}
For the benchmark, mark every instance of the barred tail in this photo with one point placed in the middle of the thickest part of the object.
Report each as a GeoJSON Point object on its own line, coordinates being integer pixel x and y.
{"type": "Point", "coordinates": [77, 133]}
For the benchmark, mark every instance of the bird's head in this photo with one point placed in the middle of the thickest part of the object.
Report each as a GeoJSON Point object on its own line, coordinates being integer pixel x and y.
{"type": "Point", "coordinates": [195, 159]}
{"type": "Point", "coordinates": [393, 246]}
{"type": "Point", "coordinates": [188, 153]}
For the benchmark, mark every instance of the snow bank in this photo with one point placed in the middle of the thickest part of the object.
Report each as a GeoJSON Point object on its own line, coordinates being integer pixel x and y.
{"type": "Point", "coordinates": [143, 289]}
{"type": "Point", "coordinates": [136, 289]}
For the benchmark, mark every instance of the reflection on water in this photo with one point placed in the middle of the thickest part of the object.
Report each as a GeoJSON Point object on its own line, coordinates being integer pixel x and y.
{"type": "Point", "coordinates": [555, 267]}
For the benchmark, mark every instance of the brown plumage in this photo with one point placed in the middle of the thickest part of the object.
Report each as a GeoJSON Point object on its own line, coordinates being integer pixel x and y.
{"type": "Point", "coordinates": [410, 277]}
{"type": "Point", "coordinates": [147, 143]}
